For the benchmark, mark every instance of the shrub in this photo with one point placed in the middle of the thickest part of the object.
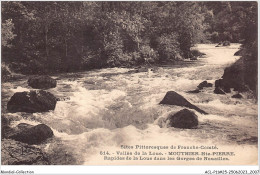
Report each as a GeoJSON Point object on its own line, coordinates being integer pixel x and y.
{"type": "Point", "coordinates": [168, 47]}
{"type": "Point", "coordinates": [148, 54]}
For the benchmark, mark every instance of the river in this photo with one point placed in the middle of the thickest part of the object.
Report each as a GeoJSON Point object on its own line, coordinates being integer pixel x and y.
{"type": "Point", "coordinates": [110, 107]}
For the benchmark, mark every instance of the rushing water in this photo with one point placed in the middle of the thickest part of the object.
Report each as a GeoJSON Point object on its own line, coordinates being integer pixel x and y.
{"type": "Point", "coordinates": [110, 107]}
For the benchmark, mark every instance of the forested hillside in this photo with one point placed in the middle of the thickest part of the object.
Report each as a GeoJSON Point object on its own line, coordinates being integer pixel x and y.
{"type": "Point", "coordinates": [41, 37]}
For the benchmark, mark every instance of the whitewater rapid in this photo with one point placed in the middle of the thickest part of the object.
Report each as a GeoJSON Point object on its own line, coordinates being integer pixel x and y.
{"type": "Point", "coordinates": [110, 107]}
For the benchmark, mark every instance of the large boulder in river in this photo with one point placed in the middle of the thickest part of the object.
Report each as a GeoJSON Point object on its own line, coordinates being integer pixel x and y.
{"type": "Point", "coordinates": [194, 91]}
{"type": "Point", "coordinates": [226, 43]}
{"type": "Point", "coordinates": [173, 98]}
{"type": "Point", "coordinates": [183, 119]}
{"type": "Point", "coordinates": [218, 91]}
{"type": "Point", "coordinates": [235, 76]}
{"type": "Point", "coordinates": [242, 76]}
{"type": "Point", "coordinates": [33, 135]}
{"type": "Point", "coordinates": [33, 101]}
{"type": "Point", "coordinates": [42, 82]}
{"type": "Point", "coordinates": [237, 96]}
{"type": "Point", "coordinates": [220, 85]}
{"type": "Point", "coordinates": [204, 84]}
{"type": "Point", "coordinates": [17, 153]}
{"type": "Point", "coordinates": [196, 53]}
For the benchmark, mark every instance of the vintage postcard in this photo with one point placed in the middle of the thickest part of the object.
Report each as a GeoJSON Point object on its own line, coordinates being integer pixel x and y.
{"type": "Point", "coordinates": [129, 83]}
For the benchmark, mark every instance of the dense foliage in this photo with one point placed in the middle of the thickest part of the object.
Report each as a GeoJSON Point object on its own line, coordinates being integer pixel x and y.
{"type": "Point", "coordinates": [249, 48]}
{"type": "Point", "coordinates": [41, 37]}
{"type": "Point", "coordinates": [227, 20]}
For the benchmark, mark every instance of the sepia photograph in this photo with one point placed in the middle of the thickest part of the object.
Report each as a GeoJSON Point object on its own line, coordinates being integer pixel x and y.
{"type": "Point", "coordinates": [129, 83]}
